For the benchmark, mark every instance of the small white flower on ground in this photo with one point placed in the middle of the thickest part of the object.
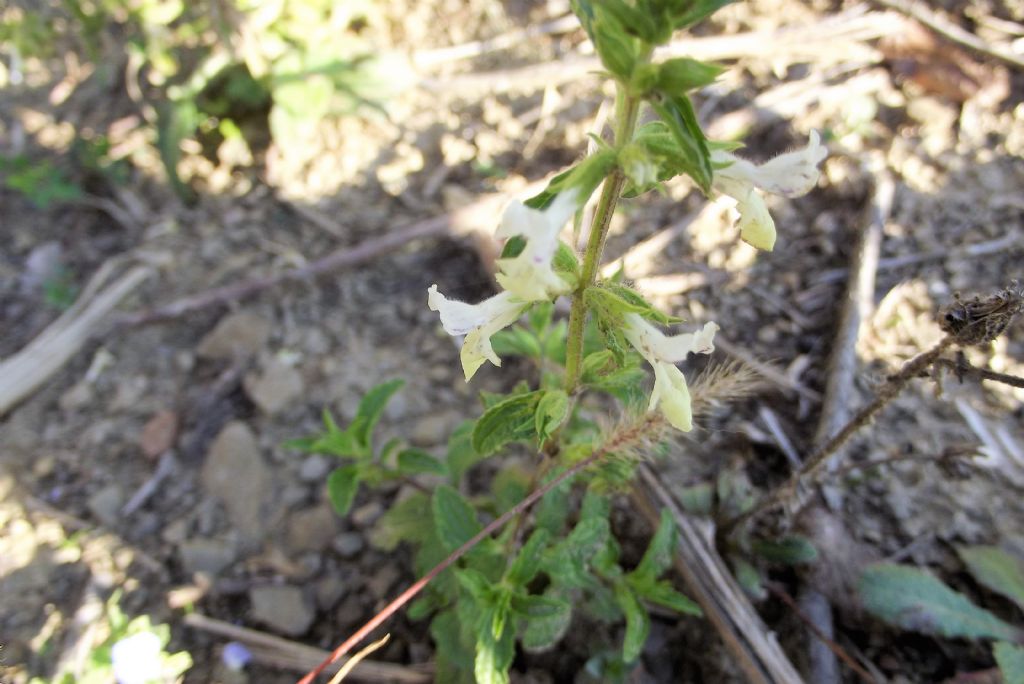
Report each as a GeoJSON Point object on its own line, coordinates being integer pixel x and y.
{"type": "Point", "coordinates": [477, 322]}
{"type": "Point", "coordinates": [529, 275]}
{"type": "Point", "coordinates": [663, 352]}
{"type": "Point", "coordinates": [791, 175]}
{"type": "Point", "coordinates": [137, 659]}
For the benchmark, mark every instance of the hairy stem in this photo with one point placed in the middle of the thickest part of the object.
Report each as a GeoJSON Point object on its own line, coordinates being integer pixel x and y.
{"type": "Point", "coordinates": [624, 437]}
{"type": "Point", "coordinates": [627, 109]}
{"type": "Point", "coordinates": [889, 391]}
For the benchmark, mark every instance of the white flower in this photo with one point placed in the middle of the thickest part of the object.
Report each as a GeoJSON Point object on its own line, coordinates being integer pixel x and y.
{"type": "Point", "coordinates": [477, 322]}
{"type": "Point", "coordinates": [663, 352]}
{"type": "Point", "coordinates": [529, 275]}
{"type": "Point", "coordinates": [136, 659]}
{"type": "Point", "coordinates": [791, 175]}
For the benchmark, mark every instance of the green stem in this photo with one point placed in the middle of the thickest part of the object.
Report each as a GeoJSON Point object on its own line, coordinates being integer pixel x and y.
{"type": "Point", "coordinates": [627, 109]}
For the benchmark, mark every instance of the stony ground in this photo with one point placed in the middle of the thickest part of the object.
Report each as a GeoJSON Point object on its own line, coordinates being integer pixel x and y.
{"type": "Point", "coordinates": [154, 461]}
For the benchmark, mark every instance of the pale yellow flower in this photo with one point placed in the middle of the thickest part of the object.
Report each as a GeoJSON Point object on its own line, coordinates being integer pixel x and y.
{"type": "Point", "coordinates": [529, 276]}
{"type": "Point", "coordinates": [477, 322]}
{"type": "Point", "coordinates": [663, 352]}
{"type": "Point", "coordinates": [791, 175]}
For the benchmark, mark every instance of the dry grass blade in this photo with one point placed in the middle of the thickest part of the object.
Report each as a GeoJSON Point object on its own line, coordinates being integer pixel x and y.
{"type": "Point", "coordinates": [354, 660]}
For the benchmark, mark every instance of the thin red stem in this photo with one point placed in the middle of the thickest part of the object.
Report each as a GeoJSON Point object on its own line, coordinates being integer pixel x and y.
{"type": "Point", "coordinates": [416, 588]}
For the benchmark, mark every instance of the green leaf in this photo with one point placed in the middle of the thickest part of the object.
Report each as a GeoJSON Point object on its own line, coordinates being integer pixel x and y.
{"type": "Point", "coordinates": [494, 657]}
{"type": "Point", "coordinates": [791, 550]}
{"type": "Point", "coordinates": [658, 556]}
{"type": "Point", "coordinates": [553, 509]}
{"type": "Point", "coordinates": [676, 111]}
{"type": "Point", "coordinates": [535, 606]}
{"type": "Point", "coordinates": [342, 485]}
{"type": "Point", "coordinates": [541, 633]}
{"type": "Point", "coordinates": [516, 342]}
{"type": "Point", "coordinates": [614, 300]}
{"type": "Point", "coordinates": [565, 263]}
{"type": "Point", "coordinates": [585, 176]}
{"type": "Point", "coordinates": [539, 317]}
{"type": "Point", "coordinates": [370, 408]}
{"type": "Point", "coordinates": [749, 579]}
{"type": "Point", "coordinates": [664, 594]}
{"type": "Point", "coordinates": [454, 518]}
{"type": "Point", "coordinates": [552, 410]}
{"type": "Point", "coordinates": [698, 12]}
{"type": "Point", "coordinates": [996, 569]}
{"type": "Point", "coordinates": [446, 631]}
{"type": "Point", "coordinates": [527, 562]}
{"type": "Point", "coordinates": [913, 599]}
{"type": "Point", "coordinates": [638, 622]}
{"type": "Point", "coordinates": [408, 520]}
{"type": "Point", "coordinates": [1010, 659]}
{"type": "Point", "coordinates": [478, 586]}
{"type": "Point", "coordinates": [416, 461]}
{"type": "Point", "coordinates": [677, 76]}
{"type": "Point", "coordinates": [511, 420]}
{"type": "Point", "coordinates": [461, 455]}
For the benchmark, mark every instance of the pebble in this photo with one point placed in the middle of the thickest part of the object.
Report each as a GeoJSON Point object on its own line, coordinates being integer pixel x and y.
{"type": "Point", "coordinates": [284, 609]}
{"type": "Point", "coordinates": [235, 475]}
{"type": "Point", "coordinates": [311, 529]}
{"type": "Point", "coordinates": [237, 335]}
{"type": "Point", "coordinates": [275, 388]}
{"type": "Point", "coordinates": [329, 591]}
{"type": "Point", "coordinates": [315, 468]}
{"type": "Point", "coordinates": [159, 433]}
{"type": "Point", "coordinates": [434, 429]}
{"type": "Point", "coordinates": [382, 581]}
{"type": "Point", "coordinates": [208, 556]}
{"type": "Point", "coordinates": [77, 397]}
{"type": "Point", "coordinates": [367, 514]}
{"type": "Point", "coordinates": [105, 504]}
{"type": "Point", "coordinates": [348, 544]}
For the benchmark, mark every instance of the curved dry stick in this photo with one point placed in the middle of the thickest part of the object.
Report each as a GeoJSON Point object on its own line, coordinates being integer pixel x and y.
{"type": "Point", "coordinates": [623, 438]}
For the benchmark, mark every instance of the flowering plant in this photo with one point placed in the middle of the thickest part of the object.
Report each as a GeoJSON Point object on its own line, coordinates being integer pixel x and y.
{"type": "Point", "coordinates": [562, 562]}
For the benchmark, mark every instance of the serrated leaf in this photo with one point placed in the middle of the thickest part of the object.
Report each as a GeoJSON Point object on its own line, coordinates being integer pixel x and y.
{"type": "Point", "coordinates": [534, 605]}
{"type": "Point", "coordinates": [446, 631]}
{"type": "Point", "coordinates": [371, 406]}
{"type": "Point", "coordinates": [566, 263]}
{"type": "Point", "coordinates": [638, 622]}
{"type": "Point", "coordinates": [407, 520]}
{"type": "Point", "coordinates": [527, 561]}
{"type": "Point", "coordinates": [454, 518]}
{"type": "Point", "coordinates": [342, 485]}
{"type": "Point", "coordinates": [996, 569]}
{"type": "Point", "coordinates": [478, 586]}
{"type": "Point", "coordinates": [913, 599]}
{"type": "Point", "coordinates": [791, 550]}
{"type": "Point", "coordinates": [658, 555]}
{"type": "Point", "coordinates": [416, 462]}
{"type": "Point", "coordinates": [552, 410]}
{"type": "Point", "coordinates": [511, 420]}
{"type": "Point", "coordinates": [539, 317]}
{"type": "Point", "coordinates": [541, 633]}
{"type": "Point", "coordinates": [1010, 659]}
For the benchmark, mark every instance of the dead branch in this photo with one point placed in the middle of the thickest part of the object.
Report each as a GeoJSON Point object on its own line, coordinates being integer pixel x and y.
{"type": "Point", "coordinates": [711, 584]}
{"type": "Point", "coordinates": [277, 652]}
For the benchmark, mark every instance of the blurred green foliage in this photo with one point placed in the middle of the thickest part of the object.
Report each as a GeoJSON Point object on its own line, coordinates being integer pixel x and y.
{"type": "Point", "coordinates": [268, 70]}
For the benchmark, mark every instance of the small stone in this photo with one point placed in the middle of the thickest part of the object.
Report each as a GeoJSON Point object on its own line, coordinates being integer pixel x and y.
{"type": "Point", "coordinates": [44, 467]}
{"type": "Point", "coordinates": [348, 544]}
{"type": "Point", "coordinates": [315, 468]}
{"type": "Point", "coordinates": [159, 433]}
{"type": "Point", "coordinates": [382, 580]}
{"type": "Point", "coordinates": [209, 556]}
{"type": "Point", "coordinates": [175, 532]}
{"type": "Point", "coordinates": [235, 475]}
{"type": "Point", "coordinates": [367, 514]}
{"type": "Point", "coordinates": [283, 609]}
{"type": "Point", "coordinates": [311, 529]}
{"type": "Point", "coordinates": [77, 397]}
{"type": "Point", "coordinates": [236, 335]}
{"type": "Point", "coordinates": [275, 388]}
{"type": "Point", "coordinates": [433, 429]}
{"type": "Point", "coordinates": [106, 503]}
{"type": "Point", "coordinates": [328, 591]}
